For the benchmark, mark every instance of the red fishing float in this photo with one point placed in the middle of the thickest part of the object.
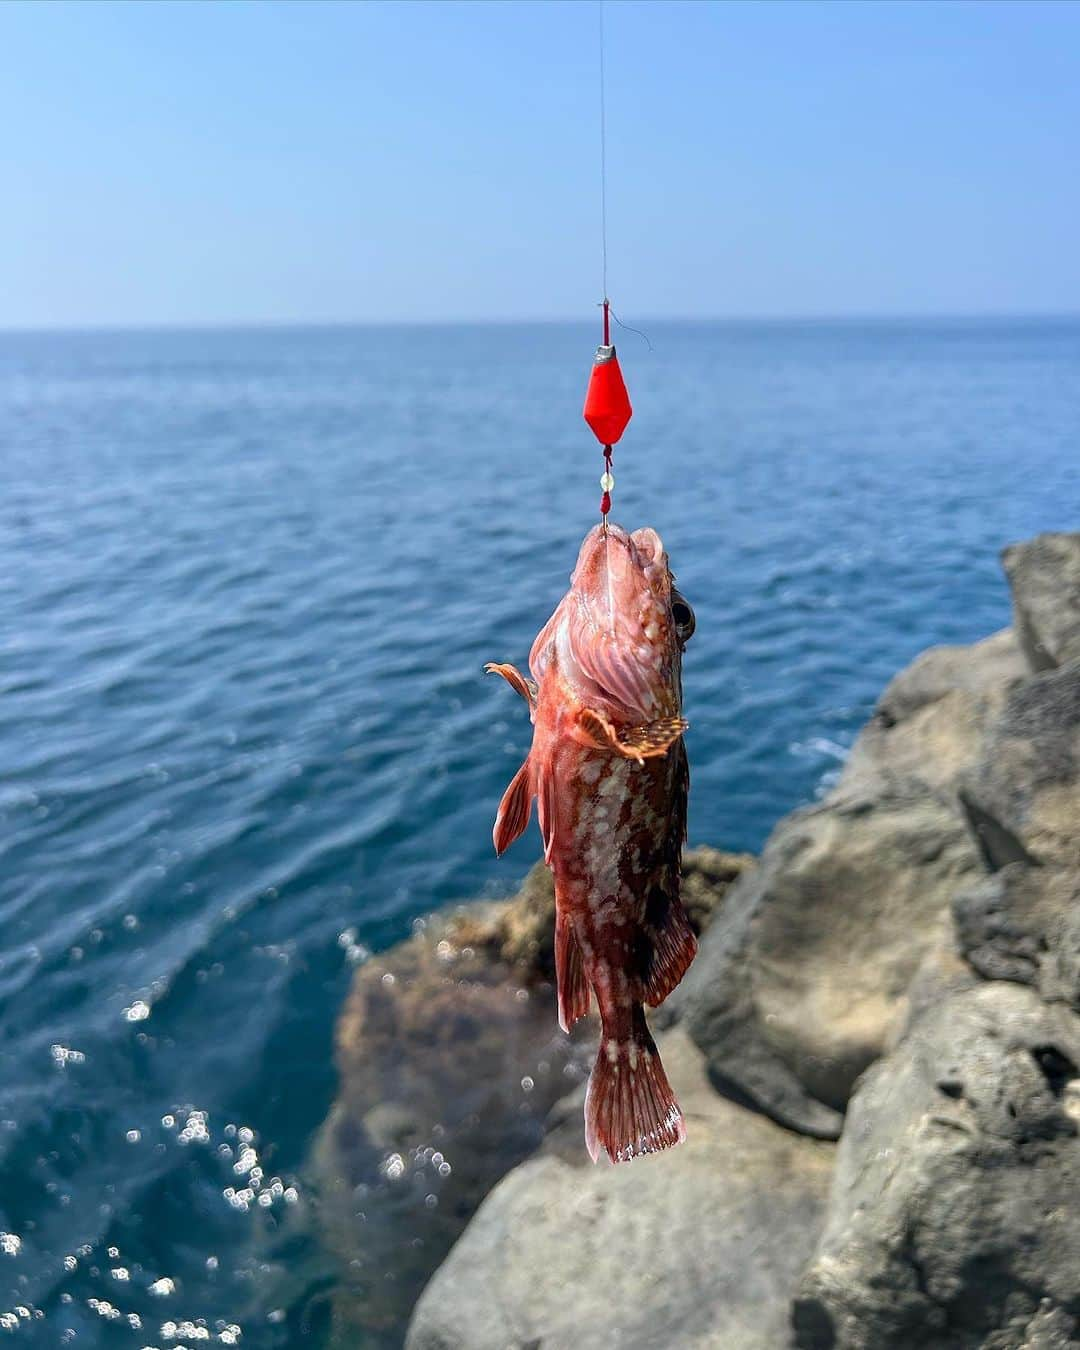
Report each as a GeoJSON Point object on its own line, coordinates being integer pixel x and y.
{"type": "Point", "coordinates": [607, 407]}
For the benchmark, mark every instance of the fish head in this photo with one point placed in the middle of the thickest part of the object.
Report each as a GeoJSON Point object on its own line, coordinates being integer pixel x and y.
{"type": "Point", "coordinates": [619, 633]}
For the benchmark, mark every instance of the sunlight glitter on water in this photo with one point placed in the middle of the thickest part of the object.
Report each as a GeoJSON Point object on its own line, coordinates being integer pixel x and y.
{"type": "Point", "coordinates": [236, 1151]}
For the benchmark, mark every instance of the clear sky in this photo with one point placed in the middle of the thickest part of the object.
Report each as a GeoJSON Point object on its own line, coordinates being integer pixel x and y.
{"type": "Point", "coordinates": [217, 162]}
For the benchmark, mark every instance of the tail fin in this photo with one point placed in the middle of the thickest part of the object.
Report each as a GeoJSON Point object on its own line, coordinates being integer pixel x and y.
{"type": "Point", "coordinates": [630, 1107]}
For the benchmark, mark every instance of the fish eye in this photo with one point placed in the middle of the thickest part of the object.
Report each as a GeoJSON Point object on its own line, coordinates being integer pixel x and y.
{"type": "Point", "coordinates": [682, 616]}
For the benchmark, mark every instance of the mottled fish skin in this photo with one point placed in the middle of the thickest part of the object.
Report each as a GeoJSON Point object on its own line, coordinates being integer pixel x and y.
{"type": "Point", "coordinates": [609, 771]}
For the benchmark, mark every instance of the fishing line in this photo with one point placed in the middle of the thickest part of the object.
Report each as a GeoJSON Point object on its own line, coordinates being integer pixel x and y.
{"type": "Point", "coordinates": [607, 404]}
{"type": "Point", "coordinates": [632, 330]}
{"type": "Point", "coordinates": [603, 163]}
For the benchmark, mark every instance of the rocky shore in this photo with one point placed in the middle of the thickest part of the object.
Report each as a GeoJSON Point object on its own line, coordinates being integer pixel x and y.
{"type": "Point", "coordinates": [876, 1050]}
{"type": "Point", "coordinates": [451, 1064]}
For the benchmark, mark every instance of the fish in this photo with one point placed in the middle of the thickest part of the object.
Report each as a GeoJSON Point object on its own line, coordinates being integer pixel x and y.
{"type": "Point", "coordinates": [609, 773]}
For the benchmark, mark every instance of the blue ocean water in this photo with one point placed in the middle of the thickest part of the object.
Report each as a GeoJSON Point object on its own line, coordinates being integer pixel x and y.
{"type": "Point", "coordinates": [248, 581]}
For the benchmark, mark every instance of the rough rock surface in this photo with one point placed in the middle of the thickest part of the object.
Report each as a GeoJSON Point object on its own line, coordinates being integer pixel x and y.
{"type": "Point", "coordinates": [450, 1056]}
{"type": "Point", "coordinates": [1027, 780]}
{"type": "Point", "coordinates": [676, 1250]}
{"type": "Point", "coordinates": [954, 1215]}
{"type": "Point", "coordinates": [803, 981]}
{"type": "Point", "coordinates": [852, 894]}
{"type": "Point", "coordinates": [1044, 574]}
{"type": "Point", "coordinates": [1023, 924]}
{"type": "Point", "coordinates": [954, 1220]}
{"type": "Point", "coordinates": [931, 720]}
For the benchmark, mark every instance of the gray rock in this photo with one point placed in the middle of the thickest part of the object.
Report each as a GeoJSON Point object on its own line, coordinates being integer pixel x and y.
{"type": "Point", "coordinates": [997, 844]}
{"type": "Point", "coordinates": [941, 973]}
{"type": "Point", "coordinates": [1027, 780]}
{"type": "Point", "coordinates": [930, 722]}
{"type": "Point", "coordinates": [716, 999]}
{"type": "Point", "coordinates": [1049, 1329]}
{"type": "Point", "coordinates": [800, 982]}
{"type": "Point", "coordinates": [1023, 924]}
{"type": "Point", "coordinates": [954, 1219]}
{"type": "Point", "coordinates": [1044, 574]}
{"type": "Point", "coordinates": [803, 980]}
{"type": "Point", "coordinates": [697, 1247]}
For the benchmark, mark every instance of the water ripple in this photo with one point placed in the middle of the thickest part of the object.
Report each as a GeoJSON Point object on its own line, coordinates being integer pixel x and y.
{"type": "Point", "coordinates": [248, 582]}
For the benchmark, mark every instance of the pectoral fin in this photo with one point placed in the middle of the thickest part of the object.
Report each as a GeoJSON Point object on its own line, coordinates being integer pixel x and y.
{"type": "Point", "coordinates": [652, 738]}
{"type": "Point", "coordinates": [514, 809]}
{"type": "Point", "coordinates": [640, 742]}
{"type": "Point", "coordinates": [547, 812]}
{"type": "Point", "coordinates": [515, 680]}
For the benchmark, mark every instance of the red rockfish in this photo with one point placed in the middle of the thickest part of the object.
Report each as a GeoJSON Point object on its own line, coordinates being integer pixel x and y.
{"type": "Point", "coordinates": [609, 772]}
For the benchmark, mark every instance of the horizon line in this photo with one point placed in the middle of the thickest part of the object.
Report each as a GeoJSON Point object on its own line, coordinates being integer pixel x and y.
{"type": "Point", "coordinates": [271, 325]}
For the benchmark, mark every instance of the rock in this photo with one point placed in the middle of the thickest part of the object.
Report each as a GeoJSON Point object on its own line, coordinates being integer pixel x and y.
{"type": "Point", "coordinates": [1044, 574]}
{"type": "Point", "coordinates": [1026, 784]}
{"type": "Point", "coordinates": [450, 1055]}
{"type": "Point", "coordinates": [697, 1247]}
{"type": "Point", "coordinates": [716, 1001]}
{"type": "Point", "coordinates": [804, 979]}
{"type": "Point", "coordinates": [941, 973]}
{"type": "Point", "coordinates": [433, 1046]}
{"type": "Point", "coordinates": [1050, 1329]}
{"type": "Point", "coordinates": [1023, 924]}
{"type": "Point", "coordinates": [997, 844]}
{"type": "Point", "coordinates": [799, 983]}
{"type": "Point", "coordinates": [984, 668]}
{"type": "Point", "coordinates": [930, 722]}
{"type": "Point", "coordinates": [954, 1219]}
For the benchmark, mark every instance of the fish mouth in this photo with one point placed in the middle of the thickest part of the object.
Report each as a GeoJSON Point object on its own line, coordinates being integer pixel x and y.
{"type": "Point", "coordinates": [620, 582]}
{"type": "Point", "coordinates": [649, 547]}
{"type": "Point", "coordinates": [611, 558]}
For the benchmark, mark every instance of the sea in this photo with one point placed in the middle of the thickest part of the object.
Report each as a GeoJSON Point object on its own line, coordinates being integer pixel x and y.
{"type": "Point", "coordinates": [248, 583]}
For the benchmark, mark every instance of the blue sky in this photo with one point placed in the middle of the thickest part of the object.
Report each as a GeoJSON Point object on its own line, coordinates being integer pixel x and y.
{"type": "Point", "coordinates": [220, 162]}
